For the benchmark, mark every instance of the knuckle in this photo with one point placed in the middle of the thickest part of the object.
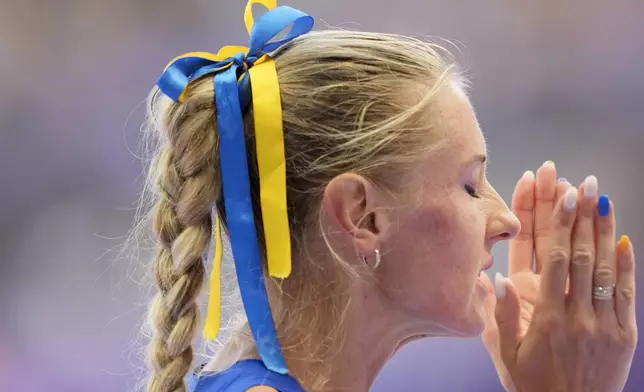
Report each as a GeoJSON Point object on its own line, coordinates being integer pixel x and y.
{"type": "Point", "coordinates": [607, 331]}
{"type": "Point", "coordinates": [604, 274]}
{"type": "Point", "coordinates": [620, 339]}
{"type": "Point", "coordinates": [626, 293]}
{"type": "Point", "coordinates": [630, 339]}
{"type": "Point", "coordinates": [558, 255]}
{"type": "Point", "coordinates": [584, 330]}
{"type": "Point", "coordinates": [524, 236]}
{"type": "Point", "coordinates": [551, 322]}
{"type": "Point", "coordinates": [542, 231]}
{"type": "Point", "coordinates": [583, 256]}
{"type": "Point", "coordinates": [586, 212]}
{"type": "Point", "coordinates": [566, 219]}
{"type": "Point", "coordinates": [606, 226]}
{"type": "Point", "coordinates": [626, 337]}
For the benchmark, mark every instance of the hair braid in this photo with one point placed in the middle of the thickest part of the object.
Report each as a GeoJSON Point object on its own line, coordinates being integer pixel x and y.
{"type": "Point", "coordinates": [186, 173]}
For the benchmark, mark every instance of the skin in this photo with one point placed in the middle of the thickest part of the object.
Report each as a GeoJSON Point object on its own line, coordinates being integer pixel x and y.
{"type": "Point", "coordinates": [533, 202]}
{"type": "Point", "coordinates": [436, 238]}
{"type": "Point", "coordinates": [548, 333]}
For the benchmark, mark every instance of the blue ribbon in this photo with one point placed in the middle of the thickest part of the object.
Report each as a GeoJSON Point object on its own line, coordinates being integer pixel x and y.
{"type": "Point", "coordinates": [232, 94]}
{"type": "Point", "coordinates": [176, 78]}
{"type": "Point", "coordinates": [241, 221]}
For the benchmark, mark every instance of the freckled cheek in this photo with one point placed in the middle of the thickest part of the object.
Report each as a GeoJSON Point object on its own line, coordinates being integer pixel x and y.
{"type": "Point", "coordinates": [430, 242]}
{"type": "Point", "coordinates": [441, 249]}
{"type": "Point", "coordinates": [445, 241]}
{"type": "Point", "coordinates": [436, 225]}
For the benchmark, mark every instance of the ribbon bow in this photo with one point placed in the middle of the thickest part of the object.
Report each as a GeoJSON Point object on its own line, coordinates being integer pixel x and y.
{"type": "Point", "coordinates": [243, 75]}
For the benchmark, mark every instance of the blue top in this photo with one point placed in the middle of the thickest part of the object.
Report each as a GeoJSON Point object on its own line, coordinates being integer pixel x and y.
{"type": "Point", "coordinates": [242, 376]}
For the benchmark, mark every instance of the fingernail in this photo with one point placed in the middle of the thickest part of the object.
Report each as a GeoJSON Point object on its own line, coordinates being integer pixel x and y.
{"type": "Point", "coordinates": [529, 175]}
{"type": "Point", "coordinates": [590, 187]}
{"type": "Point", "coordinates": [624, 244]}
{"type": "Point", "coordinates": [603, 205]}
{"type": "Point", "coordinates": [570, 199]}
{"type": "Point", "coordinates": [548, 164]}
{"type": "Point", "coordinates": [499, 285]}
{"type": "Point", "coordinates": [561, 180]}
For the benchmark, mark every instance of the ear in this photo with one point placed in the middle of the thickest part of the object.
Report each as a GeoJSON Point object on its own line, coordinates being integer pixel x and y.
{"type": "Point", "coordinates": [356, 206]}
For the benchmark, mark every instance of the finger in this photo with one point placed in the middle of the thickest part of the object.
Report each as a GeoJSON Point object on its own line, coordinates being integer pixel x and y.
{"type": "Point", "coordinates": [507, 314]}
{"type": "Point", "coordinates": [582, 261]}
{"type": "Point", "coordinates": [488, 283]}
{"type": "Point", "coordinates": [555, 269]}
{"type": "Point", "coordinates": [522, 246]}
{"type": "Point", "coordinates": [489, 304]}
{"type": "Point", "coordinates": [605, 264]}
{"type": "Point", "coordinates": [625, 290]}
{"type": "Point", "coordinates": [562, 186]}
{"type": "Point", "coordinates": [544, 205]}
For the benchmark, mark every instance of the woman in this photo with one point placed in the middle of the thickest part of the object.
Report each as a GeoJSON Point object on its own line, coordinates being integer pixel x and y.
{"type": "Point", "coordinates": [349, 171]}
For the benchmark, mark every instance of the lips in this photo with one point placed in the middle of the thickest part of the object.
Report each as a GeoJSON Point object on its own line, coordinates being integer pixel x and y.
{"type": "Point", "coordinates": [488, 265]}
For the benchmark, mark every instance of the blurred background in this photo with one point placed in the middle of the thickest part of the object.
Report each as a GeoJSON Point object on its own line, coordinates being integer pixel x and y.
{"type": "Point", "coordinates": [559, 80]}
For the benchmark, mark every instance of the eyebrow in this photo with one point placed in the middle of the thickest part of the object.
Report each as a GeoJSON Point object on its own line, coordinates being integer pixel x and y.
{"type": "Point", "coordinates": [476, 159]}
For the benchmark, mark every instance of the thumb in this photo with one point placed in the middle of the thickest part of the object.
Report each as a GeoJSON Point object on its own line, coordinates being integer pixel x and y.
{"type": "Point", "coordinates": [489, 304]}
{"type": "Point", "coordinates": [490, 332]}
{"type": "Point", "coordinates": [507, 315]}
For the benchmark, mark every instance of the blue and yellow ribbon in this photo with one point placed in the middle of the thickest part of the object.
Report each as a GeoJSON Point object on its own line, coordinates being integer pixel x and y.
{"type": "Point", "coordinates": [244, 75]}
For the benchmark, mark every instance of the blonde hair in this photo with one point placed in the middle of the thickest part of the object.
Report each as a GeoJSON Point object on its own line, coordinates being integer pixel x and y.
{"type": "Point", "coordinates": [352, 102]}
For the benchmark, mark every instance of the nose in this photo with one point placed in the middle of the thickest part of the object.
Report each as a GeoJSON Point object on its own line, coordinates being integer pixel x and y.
{"type": "Point", "coordinates": [503, 224]}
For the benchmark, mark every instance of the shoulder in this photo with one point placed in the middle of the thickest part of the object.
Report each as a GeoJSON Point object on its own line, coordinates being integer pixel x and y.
{"type": "Point", "coordinates": [247, 375]}
{"type": "Point", "coordinates": [262, 388]}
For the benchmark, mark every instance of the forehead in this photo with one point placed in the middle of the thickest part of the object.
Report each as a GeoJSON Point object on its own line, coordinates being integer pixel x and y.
{"type": "Point", "coordinates": [457, 140]}
{"type": "Point", "coordinates": [462, 134]}
{"type": "Point", "coordinates": [456, 127]}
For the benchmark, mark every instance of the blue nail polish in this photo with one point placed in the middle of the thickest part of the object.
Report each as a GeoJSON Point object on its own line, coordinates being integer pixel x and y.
{"type": "Point", "coordinates": [559, 181]}
{"type": "Point", "coordinates": [603, 205]}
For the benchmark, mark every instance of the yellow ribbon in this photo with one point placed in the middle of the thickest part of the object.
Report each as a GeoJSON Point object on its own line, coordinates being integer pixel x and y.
{"type": "Point", "coordinates": [269, 140]}
{"type": "Point", "coordinates": [213, 317]}
{"type": "Point", "coordinates": [249, 21]}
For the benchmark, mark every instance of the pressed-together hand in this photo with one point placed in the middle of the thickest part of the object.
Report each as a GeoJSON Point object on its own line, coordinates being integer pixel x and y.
{"type": "Point", "coordinates": [551, 333]}
{"type": "Point", "coordinates": [533, 203]}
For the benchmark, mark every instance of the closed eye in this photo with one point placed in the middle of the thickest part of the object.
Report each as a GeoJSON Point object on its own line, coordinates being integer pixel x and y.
{"type": "Point", "coordinates": [472, 191]}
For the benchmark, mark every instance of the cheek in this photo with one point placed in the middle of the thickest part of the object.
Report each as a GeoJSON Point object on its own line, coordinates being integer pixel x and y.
{"type": "Point", "coordinates": [450, 226]}
{"type": "Point", "coordinates": [441, 247]}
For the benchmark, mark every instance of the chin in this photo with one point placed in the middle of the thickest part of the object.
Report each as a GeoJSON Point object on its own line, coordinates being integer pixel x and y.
{"type": "Point", "coordinates": [471, 324]}
{"type": "Point", "coordinates": [475, 329]}
{"type": "Point", "coordinates": [477, 324]}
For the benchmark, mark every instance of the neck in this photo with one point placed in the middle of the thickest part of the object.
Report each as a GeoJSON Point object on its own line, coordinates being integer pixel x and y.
{"type": "Point", "coordinates": [372, 335]}
{"type": "Point", "coordinates": [340, 353]}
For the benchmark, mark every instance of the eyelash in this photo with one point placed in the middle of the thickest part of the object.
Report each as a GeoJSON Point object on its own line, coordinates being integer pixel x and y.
{"type": "Point", "coordinates": [473, 192]}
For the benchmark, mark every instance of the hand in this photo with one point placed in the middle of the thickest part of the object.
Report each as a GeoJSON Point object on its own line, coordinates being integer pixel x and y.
{"type": "Point", "coordinates": [574, 341]}
{"type": "Point", "coordinates": [533, 203]}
